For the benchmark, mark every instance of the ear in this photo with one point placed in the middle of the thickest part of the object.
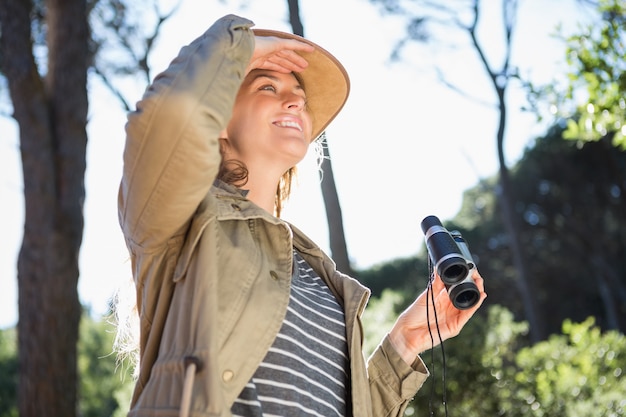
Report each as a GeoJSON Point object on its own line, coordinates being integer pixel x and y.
{"type": "Point", "coordinates": [223, 143]}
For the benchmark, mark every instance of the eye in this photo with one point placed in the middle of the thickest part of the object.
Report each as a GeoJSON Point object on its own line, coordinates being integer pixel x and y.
{"type": "Point", "coordinates": [268, 87]}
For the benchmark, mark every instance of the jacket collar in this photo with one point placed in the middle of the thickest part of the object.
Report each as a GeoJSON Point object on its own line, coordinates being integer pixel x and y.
{"type": "Point", "coordinates": [220, 187]}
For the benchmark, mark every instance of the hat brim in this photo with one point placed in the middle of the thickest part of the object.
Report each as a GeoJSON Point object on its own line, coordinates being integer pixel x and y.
{"type": "Point", "coordinates": [326, 81]}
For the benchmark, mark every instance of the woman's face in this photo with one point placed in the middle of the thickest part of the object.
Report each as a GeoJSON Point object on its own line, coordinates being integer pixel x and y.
{"type": "Point", "coordinates": [270, 123]}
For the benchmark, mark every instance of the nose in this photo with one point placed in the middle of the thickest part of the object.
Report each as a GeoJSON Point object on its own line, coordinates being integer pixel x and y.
{"type": "Point", "coordinates": [295, 101]}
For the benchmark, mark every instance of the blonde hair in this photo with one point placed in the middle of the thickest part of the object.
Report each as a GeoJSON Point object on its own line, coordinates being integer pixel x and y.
{"type": "Point", "coordinates": [125, 317]}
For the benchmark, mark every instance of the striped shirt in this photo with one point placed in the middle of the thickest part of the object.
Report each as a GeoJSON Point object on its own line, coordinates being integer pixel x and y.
{"type": "Point", "coordinates": [305, 372]}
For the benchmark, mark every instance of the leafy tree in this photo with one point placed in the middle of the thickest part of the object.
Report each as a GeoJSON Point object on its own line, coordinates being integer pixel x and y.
{"type": "Point", "coordinates": [596, 59]}
{"type": "Point", "coordinates": [593, 100]}
{"type": "Point", "coordinates": [577, 373]}
{"type": "Point", "coordinates": [123, 36]}
{"type": "Point", "coordinates": [575, 214]}
{"type": "Point", "coordinates": [490, 369]}
{"type": "Point", "coordinates": [571, 200]}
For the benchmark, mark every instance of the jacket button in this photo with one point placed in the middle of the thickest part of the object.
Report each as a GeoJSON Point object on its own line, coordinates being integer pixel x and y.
{"type": "Point", "coordinates": [227, 375]}
{"type": "Point", "coordinates": [274, 275]}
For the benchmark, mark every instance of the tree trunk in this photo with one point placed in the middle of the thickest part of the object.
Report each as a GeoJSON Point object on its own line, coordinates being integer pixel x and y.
{"type": "Point", "coordinates": [608, 294]}
{"type": "Point", "coordinates": [509, 218]}
{"type": "Point", "coordinates": [338, 247]}
{"type": "Point", "coordinates": [499, 80]}
{"type": "Point", "coordinates": [52, 116]}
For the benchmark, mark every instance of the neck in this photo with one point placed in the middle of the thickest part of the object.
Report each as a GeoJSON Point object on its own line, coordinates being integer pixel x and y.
{"type": "Point", "coordinates": [262, 181]}
{"type": "Point", "coordinates": [264, 198]}
{"type": "Point", "coordinates": [261, 188]}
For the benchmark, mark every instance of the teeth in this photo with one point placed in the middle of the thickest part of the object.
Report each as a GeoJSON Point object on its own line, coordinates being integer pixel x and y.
{"type": "Point", "coordinates": [287, 123]}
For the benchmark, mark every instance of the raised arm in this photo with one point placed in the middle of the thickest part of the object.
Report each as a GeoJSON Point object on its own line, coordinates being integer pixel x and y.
{"type": "Point", "coordinates": [172, 152]}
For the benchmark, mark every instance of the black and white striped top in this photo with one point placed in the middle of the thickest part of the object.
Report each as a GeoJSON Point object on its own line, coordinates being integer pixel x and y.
{"type": "Point", "coordinates": [305, 372]}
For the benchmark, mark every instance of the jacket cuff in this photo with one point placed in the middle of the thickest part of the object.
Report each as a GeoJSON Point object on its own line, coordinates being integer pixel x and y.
{"type": "Point", "coordinates": [392, 381]}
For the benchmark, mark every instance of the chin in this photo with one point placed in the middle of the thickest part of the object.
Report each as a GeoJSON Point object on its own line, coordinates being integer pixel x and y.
{"type": "Point", "coordinates": [297, 145]}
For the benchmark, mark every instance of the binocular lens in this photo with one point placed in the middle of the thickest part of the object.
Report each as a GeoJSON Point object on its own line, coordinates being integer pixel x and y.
{"type": "Point", "coordinates": [452, 269]}
{"type": "Point", "coordinates": [464, 295]}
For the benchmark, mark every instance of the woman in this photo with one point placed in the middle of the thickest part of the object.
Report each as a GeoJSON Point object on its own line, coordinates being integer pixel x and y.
{"type": "Point", "coordinates": [240, 313]}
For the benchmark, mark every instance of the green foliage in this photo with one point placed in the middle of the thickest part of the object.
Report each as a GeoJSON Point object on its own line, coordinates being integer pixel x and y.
{"type": "Point", "coordinates": [569, 199]}
{"type": "Point", "coordinates": [105, 389]}
{"type": "Point", "coordinates": [597, 71]}
{"type": "Point", "coordinates": [577, 373]}
{"type": "Point", "coordinates": [379, 317]}
{"type": "Point", "coordinates": [489, 372]}
{"type": "Point", "coordinates": [102, 383]}
{"type": "Point", "coordinates": [8, 373]}
{"type": "Point", "coordinates": [568, 196]}
{"type": "Point", "coordinates": [476, 364]}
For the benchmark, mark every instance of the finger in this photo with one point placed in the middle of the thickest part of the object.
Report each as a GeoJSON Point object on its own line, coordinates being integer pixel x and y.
{"type": "Point", "coordinates": [282, 61]}
{"type": "Point", "coordinates": [294, 45]}
{"type": "Point", "coordinates": [437, 283]}
{"type": "Point", "coordinates": [479, 281]}
{"type": "Point", "coordinates": [289, 60]}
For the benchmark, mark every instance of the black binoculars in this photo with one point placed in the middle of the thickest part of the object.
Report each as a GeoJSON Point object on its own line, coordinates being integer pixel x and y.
{"type": "Point", "coordinates": [453, 262]}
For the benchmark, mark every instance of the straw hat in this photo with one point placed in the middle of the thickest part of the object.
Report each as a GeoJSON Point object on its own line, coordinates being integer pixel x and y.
{"type": "Point", "coordinates": [325, 80]}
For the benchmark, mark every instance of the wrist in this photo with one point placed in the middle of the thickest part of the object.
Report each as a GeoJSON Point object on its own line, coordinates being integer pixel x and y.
{"type": "Point", "coordinates": [402, 348]}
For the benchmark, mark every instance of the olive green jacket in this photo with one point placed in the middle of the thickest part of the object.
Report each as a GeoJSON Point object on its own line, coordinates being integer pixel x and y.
{"type": "Point", "coordinates": [213, 270]}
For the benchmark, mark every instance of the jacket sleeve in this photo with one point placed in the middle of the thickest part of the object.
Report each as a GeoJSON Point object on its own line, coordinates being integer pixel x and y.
{"type": "Point", "coordinates": [170, 161]}
{"type": "Point", "coordinates": [393, 383]}
{"type": "Point", "coordinates": [172, 152]}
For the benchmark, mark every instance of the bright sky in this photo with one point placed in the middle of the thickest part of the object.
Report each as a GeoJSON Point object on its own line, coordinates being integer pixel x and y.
{"type": "Point", "coordinates": [404, 147]}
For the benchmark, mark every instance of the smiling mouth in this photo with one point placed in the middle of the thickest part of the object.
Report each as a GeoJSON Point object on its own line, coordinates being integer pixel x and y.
{"type": "Point", "coordinates": [289, 123]}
